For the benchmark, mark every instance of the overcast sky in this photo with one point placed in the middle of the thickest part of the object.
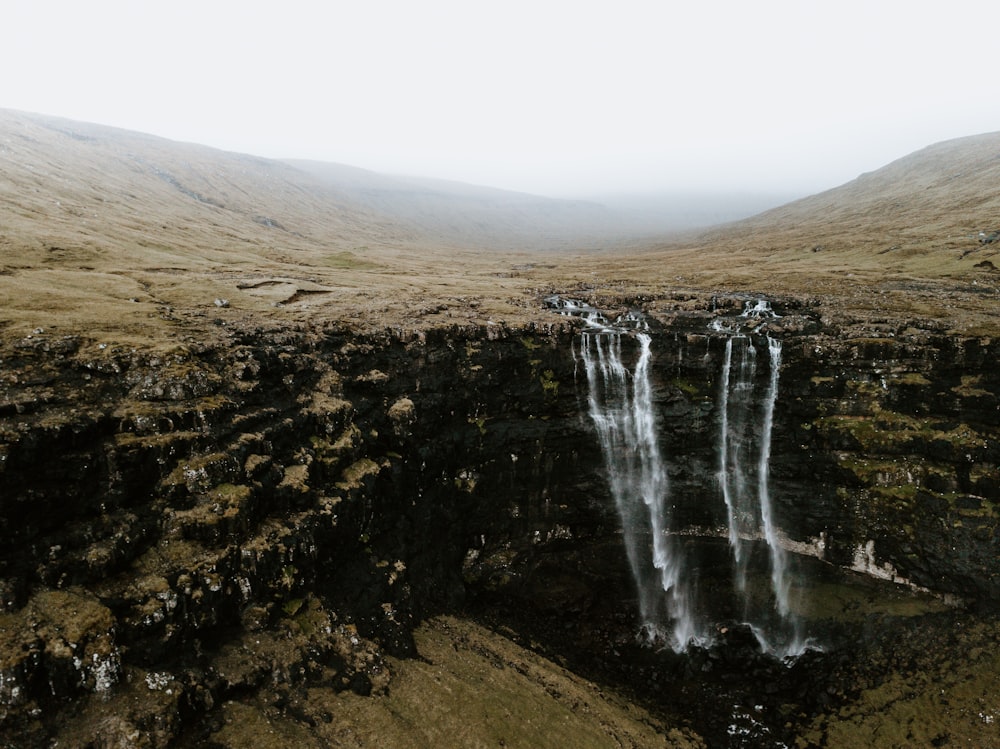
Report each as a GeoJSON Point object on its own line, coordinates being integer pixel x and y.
{"type": "Point", "coordinates": [557, 98]}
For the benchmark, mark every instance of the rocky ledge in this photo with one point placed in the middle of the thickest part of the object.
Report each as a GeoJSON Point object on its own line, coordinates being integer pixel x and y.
{"type": "Point", "coordinates": [242, 521]}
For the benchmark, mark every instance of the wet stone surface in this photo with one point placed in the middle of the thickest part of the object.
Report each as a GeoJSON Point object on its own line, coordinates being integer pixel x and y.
{"type": "Point", "coordinates": [228, 528]}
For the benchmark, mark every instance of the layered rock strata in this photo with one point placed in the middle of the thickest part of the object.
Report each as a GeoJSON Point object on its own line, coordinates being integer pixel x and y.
{"type": "Point", "coordinates": [184, 527]}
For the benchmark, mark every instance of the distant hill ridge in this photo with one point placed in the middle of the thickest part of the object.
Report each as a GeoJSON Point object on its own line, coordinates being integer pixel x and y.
{"type": "Point", "coordinates": [317, 201]}
{"type": "Point", "coordinates": [138, 236]}
{"type": "Point", "coordinates": [90, 190]}
{"type": "Point", "coordinates": [65, 163]}
{"type": "Point", "coordinates": [472, 214]}
{"type": "Point", "coordinates": [938, 198]}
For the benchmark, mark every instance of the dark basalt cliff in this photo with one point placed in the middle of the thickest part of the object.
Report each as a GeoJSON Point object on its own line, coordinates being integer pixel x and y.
{"type": "Point", "coordinates": [195, 524]}
{"type": "Point", "coordinates": [189, 527]}
{"type": "Point", "coordinates": [885, 455]}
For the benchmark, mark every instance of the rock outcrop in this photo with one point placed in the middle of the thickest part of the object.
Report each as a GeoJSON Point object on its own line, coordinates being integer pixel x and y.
{"type": "Point", "coordinates": [311, 490]}
{"type": "Point", "coordinates": [183, 527]}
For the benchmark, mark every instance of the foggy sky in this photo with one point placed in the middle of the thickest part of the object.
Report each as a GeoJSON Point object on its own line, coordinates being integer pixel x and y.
{"type": "Point", "coordinates": [557, 98]}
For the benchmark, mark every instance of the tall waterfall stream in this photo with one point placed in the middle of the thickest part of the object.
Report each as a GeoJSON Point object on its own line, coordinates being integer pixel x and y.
{"type": "Point", "coordinates": [622, 409]}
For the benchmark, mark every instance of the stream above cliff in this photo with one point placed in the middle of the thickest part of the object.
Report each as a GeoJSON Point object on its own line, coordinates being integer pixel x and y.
{"type": "Point", "coordinates": [210, 526]}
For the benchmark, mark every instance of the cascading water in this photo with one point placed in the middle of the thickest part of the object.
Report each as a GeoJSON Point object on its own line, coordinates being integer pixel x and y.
{"type": "Point", "coordinates": [735, 439]}
{"type": "Point", "coordinates": [780, 582]}
{"type": "Point", "coordinates": [744, 447]}
{"type": "Point", "coordinates": [621, 408]}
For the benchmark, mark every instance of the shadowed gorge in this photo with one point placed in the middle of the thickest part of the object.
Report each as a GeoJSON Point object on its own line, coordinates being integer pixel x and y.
{"type": "Point", "coordinates": [278, 468]}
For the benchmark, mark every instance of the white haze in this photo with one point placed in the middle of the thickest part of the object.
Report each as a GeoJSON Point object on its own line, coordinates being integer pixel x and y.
{"type": "Point", "coordinates": [556, 98]}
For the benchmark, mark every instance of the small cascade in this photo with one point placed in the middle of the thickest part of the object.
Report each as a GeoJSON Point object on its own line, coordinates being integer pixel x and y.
{"type": "Point", "coordinates": [746, 420]}
{"type": "Point", "coordinates": [622, 410]}
{"type": "Point", "coordinates": [621, 407]}
{"type": "Point", "coordinates": [758, 309]}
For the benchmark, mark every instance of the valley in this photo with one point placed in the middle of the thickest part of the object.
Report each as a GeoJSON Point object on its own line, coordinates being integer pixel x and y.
{"type": "Point", "coordinates": [277, 466]}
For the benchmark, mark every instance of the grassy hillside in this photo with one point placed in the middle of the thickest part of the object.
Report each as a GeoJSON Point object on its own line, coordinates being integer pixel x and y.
{"type": "Point", "coordinates": [921, 213]}
{"type": "Point", "coordinates": [132, 237]}
{"type": "Point", "coordinates": [470, 215]}
{"type": "Point", "coordinates": [136, 239]}
{"type": "Point", "coordinates": [900, 242]}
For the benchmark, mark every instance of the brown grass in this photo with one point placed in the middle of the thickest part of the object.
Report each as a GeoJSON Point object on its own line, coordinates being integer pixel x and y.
{"type": "Point", "coordinates": [132, 239]}
{"type": "Point", "coordinates": [485, 691]}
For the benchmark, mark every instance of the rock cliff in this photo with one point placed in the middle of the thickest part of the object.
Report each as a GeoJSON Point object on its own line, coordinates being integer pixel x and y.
{"type": "Point", "coordinates": [885, 451]}
{"type": "Point", "coordinates": [186, 528]}
{"type": "Point", "coordinates": [170, 519]}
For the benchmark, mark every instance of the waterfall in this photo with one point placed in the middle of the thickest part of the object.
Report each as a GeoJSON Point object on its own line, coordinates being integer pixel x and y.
{"type": "Point", "coordinates": [736, 422]}
{"type": "Point", "coordinates": [746, 421]}
{"type": "Point", "coordinates": [621, 407]}
{"type": "Point", "coordinates": [780, 583]}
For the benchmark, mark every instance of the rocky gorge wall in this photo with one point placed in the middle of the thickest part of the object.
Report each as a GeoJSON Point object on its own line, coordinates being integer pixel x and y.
{"type": "Point", "coordinates": [184, 527]}
{"type": "Point", "coordinates": [899, 431]}
{"type": "Point", "coordinates": [885, 455]}
{"type": "Point", "coordinates": [194, 524]}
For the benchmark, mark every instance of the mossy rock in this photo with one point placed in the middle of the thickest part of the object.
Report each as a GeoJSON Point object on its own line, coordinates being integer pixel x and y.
{"type": "Point", "coordinates": [356, 474]}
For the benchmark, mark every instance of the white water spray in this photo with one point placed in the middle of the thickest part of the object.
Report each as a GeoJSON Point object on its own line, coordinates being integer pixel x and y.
{"type": "Point", "coordinates": [621, 407]}
{"type": "Point", "coordinates": [780, 582]}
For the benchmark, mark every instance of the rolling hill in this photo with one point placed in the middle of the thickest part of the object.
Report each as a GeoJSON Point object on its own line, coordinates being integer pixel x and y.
{"type": "Point", "coordinates": [926, 206]}
{"type": "Point", "coordinates": [137, 238]}
{"type": "Point", "coordinates": [117, 232]}
{"type": "Point", "coordinates": [469, 215]}
{"type": "Point", "coordinates": [908, 240]}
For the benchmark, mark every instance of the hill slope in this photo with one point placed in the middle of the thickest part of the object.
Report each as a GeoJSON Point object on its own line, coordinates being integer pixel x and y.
{"type": "Point", "coordinates": [70, 181]}
{"type": "Point", "coordinates": [136, 238]}
{"type": "Point", "coordinates": [930, 205]}
{"type": "Point", "coordinates": [107, 230]}
{"type": "Point", "coordinates": [901, 242]}
{"type": "Point", "coordinates": [470, 215]}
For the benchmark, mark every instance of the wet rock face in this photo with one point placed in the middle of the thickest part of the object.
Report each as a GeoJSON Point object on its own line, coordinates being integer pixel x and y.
{"type": "Point", "coordinates": [323, 492]}
{"type": "Point", "coordinates": [281, 512]}
{"type": "Point", "coordinates": [885, 448]}
{"type": "Point", "coordinates": [902, 431]}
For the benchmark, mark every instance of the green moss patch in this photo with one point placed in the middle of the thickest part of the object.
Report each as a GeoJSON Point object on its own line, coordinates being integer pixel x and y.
{"type": "Point", "coordinates": [889, 432]}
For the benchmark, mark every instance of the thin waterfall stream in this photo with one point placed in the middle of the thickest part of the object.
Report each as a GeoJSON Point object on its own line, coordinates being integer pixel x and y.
{"type": "Point", "coordinates": [779, 572]}
{"type": "Point", "coordinates": [746, 419]}
{"type": "Point", "coordinates": [622, 409]}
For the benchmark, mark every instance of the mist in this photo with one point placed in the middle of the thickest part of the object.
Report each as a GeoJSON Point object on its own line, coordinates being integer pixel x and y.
{"type": "Point", "coordinates": [671, 211]}
{"type": "Point", "coordinates": [554, 99]}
